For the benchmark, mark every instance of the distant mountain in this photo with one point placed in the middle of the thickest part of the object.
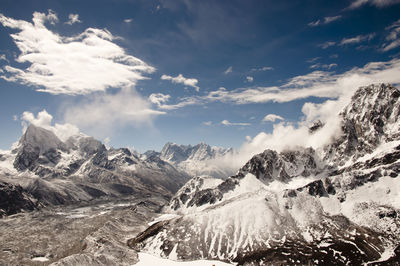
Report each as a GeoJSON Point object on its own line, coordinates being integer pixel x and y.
{"type": "Point", "coordinates": [54, 172]}
{"type": "Point", "coordinates": [338, 205]}
{"type": "Point", "coordinates": [195, 160]}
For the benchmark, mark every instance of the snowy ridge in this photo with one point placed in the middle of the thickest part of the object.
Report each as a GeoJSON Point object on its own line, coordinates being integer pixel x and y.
{"type": "Point", "coordinates": [82, 168]}
{"type": "Point", "coordinates": [338, 204]}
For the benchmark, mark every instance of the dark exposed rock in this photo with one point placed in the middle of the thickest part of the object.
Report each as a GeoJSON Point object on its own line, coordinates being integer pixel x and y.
{"type": "Point", "coordinates": [14, 199]}
{"type": "Point", "coordinates": [205, 196]}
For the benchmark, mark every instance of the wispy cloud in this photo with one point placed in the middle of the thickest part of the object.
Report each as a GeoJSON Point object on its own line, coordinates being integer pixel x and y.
{"type": "Point", "coordinates": [326, 45]}
{"type": "Point", "coordinates": [322, 84]}
{"type": "Point", "coordinates": [393, 38]}
{"type": "Point", "coordinates": [207, 123]}
{"type": "Point", "coordinates": [323, 66]}
{"type": "Point", "coordinates": [180, 79]}
{"type": "Point", "coordinates": [249, 79]}
{"type": "Point", "coordinates": [103, 113]}
{"type": "Point", "coordinates": [72, 19]}
{"type": "Point", "coordinates": [228, 70]}
{"type": "Point", "coordinates": [265, 68]}
{"type": "Point", "coordinates": [377, 3]}
{"type": "Point", "coordinates": [128, 20]}
{"type": "Point", "coordinates": [357, 39]}
{"type": "Point", "coordinates": [80, 64]}
{"type": "Point", "coordinates": [324, 21]}
{"type": "Point", "coordinates": [227, 123]}
{"type": "Point", "coordinates": [272, 118]}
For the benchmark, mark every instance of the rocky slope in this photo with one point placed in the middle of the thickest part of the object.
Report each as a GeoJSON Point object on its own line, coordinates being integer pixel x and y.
{"type": "Point", "coordinates": [54, 172]}
{"type": "Point", "coordinates": [337, 205]}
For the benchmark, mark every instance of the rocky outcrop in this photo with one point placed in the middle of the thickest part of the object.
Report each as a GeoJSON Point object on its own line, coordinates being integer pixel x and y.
{"type": "Point", "coordinates": [14, 199]}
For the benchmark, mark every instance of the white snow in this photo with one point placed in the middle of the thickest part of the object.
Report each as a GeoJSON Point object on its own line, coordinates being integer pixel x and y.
{"type": "Point", "coordinates": [147, 260]}
{"type": "Point", "coordinates": [41, 259]}
{"type": "Point", "coordinates": [164, 217]}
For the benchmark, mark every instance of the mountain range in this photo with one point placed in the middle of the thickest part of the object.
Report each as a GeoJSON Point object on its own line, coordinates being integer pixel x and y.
{"type": "Point", "coordinates": [339, 204]}
{"type": "Point", "coordinates": [336, 204]}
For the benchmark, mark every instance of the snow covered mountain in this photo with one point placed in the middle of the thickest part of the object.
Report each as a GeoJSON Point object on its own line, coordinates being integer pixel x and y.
{"type": "Point", "coordinates": [52, 172]}
{"type": "Point", "coordinates": [336, 205]}
{"type": "Point", "coordinates": [195, 160]}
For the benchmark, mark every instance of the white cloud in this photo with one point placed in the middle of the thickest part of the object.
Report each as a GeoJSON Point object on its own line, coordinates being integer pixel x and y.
{"type": "Point", "coordinates": [265, 68]}
{"type": "Point", "coordinates": [393, 38]}
{"type": "Point", "coordinates": [377, 3]}
{"type": "Point", "coordinates": [207, 123]}
{"type": "Point", "coordinates": [228, 70]}
{"type": "Point", "coordinates": [15, 117]}
{"type": "Point", "coordinates": [272, 118]}
{"type": "Point", "coordinates": [159, 99]}
{"type": "Point", "coordinates": [325, 21]}
{"type": "Point", "coordinates": [44, 119]}
{"type": "Point", "coordinates": [192, 82]}
{"type": "Point", "coordinates": [103, 113]}
{"type": "Point", "coordinates": [128, 20]}
{"type": "Point", "coordinates": [357, 39]}
{"type": "Point", "coordinates": [3, 58]}
{"type": "Point", "coordinates": [249, 79]}
{"type": "Point", "coordinates": [325, 66]}
{"type": "Point", "coordinates": [326, 45]}
{"type": "Point", "coordinates": [81, 64]}
{"type": "Point", "coordinates": [227, 123]}
{"type": "Point", "coordinates": [73, 18]}
{"type": "Point", "coordinates": [322, 84]}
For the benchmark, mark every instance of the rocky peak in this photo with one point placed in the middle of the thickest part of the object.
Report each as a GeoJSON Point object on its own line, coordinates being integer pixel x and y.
{"type": "Point", "coordinates": [270, 165]}
{"type": "Point", "coordinates": [41, 139]}
{"type": "Point", "coordinates": [37, 144]}
{"type": "Point", "coordinates": [367, 121]}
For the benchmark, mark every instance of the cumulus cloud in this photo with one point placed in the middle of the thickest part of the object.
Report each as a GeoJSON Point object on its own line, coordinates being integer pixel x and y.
{"type": "Point", "coordinates": [272, 118]}
{"type": "Point", "coordinates": [227, 123]}
{"type": "Point", "coordinates": [44, 119]}
{"type": "Point", "coordinates": [357, 39]}
{"type": "Point", "coordinates": [393, 38]}
{"type": "Point", "coordinates": [159, 99]}
{"type": "Point", "coordinates": [377, 3]}
{"type": "Point", "coordinates": [72, 19]}
{"type": "Point", "coordinates": [324, 21]}
{"type": "Point", "coordinates": [102, 113]}
{"type": "Point", "coordinates": [180, 79]}
{"type": "Point", "coordinates": [249, 79]}
{"type": "Point", "coordinates": [81, 64]}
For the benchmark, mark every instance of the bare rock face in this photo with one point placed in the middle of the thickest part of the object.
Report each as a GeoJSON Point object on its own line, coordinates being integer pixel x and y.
{"type": "Point", "coordinates": [371, 118]}
{"type": "Point", "coordinates": [14, 199]}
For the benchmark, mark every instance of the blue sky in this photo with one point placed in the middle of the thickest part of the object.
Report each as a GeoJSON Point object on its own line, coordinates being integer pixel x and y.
{"type": "Point", "coordinates": [142, 73]}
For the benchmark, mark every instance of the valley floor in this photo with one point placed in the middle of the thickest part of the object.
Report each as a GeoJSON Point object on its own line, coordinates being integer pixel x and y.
{"type": "Point", "coordinates": [78, 234]}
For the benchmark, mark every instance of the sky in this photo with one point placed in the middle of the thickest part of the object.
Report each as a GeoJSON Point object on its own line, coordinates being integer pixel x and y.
{"type": "Point", "coordinates": [140, 73]}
